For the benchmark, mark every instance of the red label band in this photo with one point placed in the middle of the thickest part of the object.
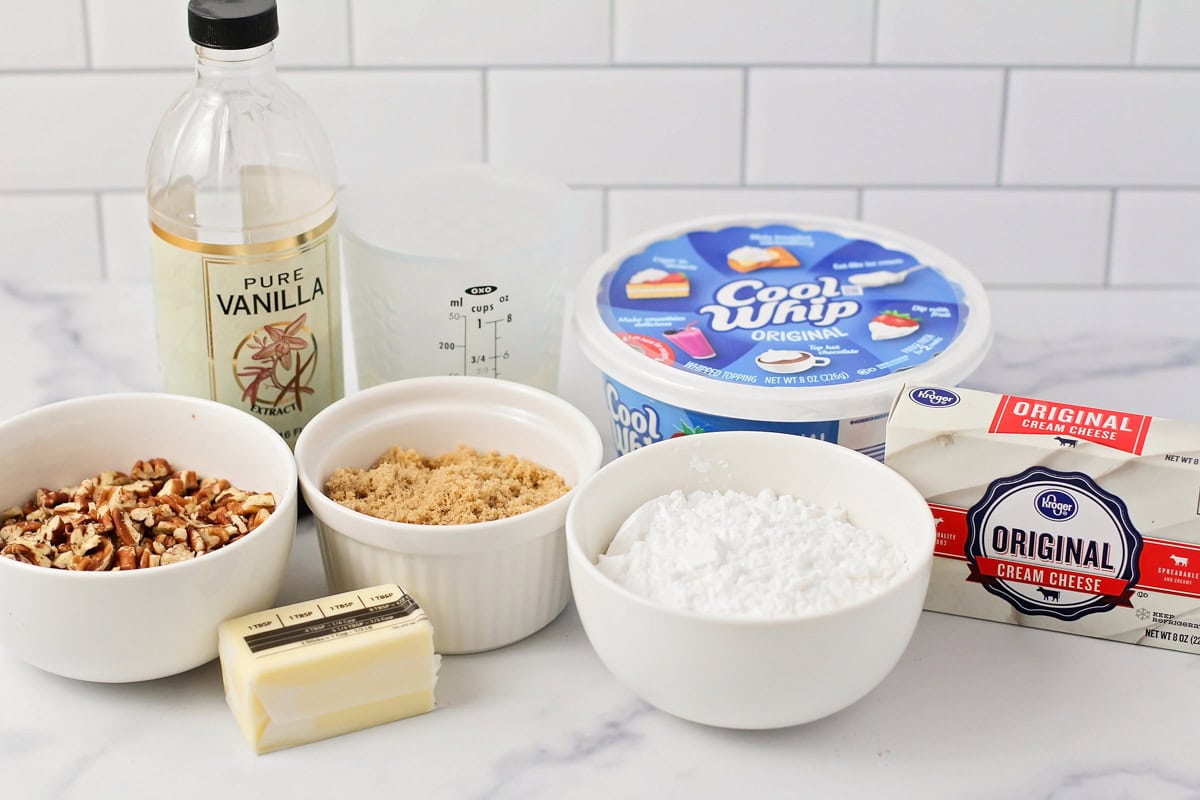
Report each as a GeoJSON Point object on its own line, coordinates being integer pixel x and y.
{"type": "Point", "coordinates": [951, 522]}
{"type": "Point", "coordinates": [1053, 579]}
{"type": "Point", "coordinates": [1163, 566]}
{"type": "Point", "coordinates": [1069, 423]}
{"type": "Point", "coordinates": [1171, 567]}
{"type": "Point", "coordinates": [1122, 598]}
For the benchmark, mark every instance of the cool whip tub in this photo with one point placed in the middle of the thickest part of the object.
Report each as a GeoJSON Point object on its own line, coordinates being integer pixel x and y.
{"type": "Point", "coordinates": [798, 324]}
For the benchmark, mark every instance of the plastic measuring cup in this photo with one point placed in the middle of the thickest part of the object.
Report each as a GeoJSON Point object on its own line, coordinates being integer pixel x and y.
{"type": "Point", "coordinates": [458, 270]}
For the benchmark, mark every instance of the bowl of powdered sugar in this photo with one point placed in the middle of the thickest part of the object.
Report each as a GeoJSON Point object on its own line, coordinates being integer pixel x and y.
{"type": "Point", "coordinates": [749, 579]}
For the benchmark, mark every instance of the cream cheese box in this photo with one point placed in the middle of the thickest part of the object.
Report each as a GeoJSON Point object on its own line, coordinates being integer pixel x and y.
{"type": "Point", "coordinates": [1056, 516]}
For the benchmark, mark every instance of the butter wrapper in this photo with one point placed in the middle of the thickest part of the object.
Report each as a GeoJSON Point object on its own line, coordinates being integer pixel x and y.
{"type": "Point", "coordinates": [325, 667]}
{"type": "Point", "coordinates": [1056, 516]}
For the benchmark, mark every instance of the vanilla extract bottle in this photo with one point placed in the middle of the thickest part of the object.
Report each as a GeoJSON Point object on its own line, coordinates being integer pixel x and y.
{"type": "Point", "coordinates": [242, 193]}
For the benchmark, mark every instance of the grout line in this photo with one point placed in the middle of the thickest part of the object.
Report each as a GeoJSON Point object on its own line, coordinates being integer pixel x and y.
{"type": "Point", "coordinates": [644, 65]}
{"type": "Point", "coordinates": [1137, 29]}
{"type": "Point", "coordinates": [99, 207]}
{"type": "Point", "coordinates": [1003, 129]}
{"type": "Point", "coordinates": [745, 123]}
{"type": "Point", "coordinates": [612, 31]}
{"type": "Point", "coordinates": [485, 147]}
{"type": "Point", "coordinates": [875, 33]}
{"type": "Point", "coordinates": [604, 233]}
{"type": "Point", "coordinates": [75, 190]}
{"type": "Point", "coordinates": [1092, 287]}
{"type": "Point", "coordinates": [350, 33]}
{"type": "Point", "coordinates": [1115, 290]}
{"type": "Point", "coordinates": [1112, 229]}
{"type": "Point", "coordinates": [87, 34]}
{"type": "Point", "coordinates": [669, 187]}
{"type": "Point", "coordinates": [955, 187]}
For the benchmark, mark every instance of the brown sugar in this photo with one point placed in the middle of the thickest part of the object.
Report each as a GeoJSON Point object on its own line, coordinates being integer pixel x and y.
{"type": "Point", "coordinates": [456, 488]}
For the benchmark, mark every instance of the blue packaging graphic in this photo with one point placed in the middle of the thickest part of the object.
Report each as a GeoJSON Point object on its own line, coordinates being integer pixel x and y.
{"type": "Point", "coordinates": [780, 306]}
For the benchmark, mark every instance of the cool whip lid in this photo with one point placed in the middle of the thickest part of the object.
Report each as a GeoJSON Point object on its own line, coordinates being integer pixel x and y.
{"type": "Point", "coordinates": [779, 317]}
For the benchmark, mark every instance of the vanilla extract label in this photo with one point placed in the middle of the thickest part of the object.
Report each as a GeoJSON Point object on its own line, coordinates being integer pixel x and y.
{"type": "Point", "coordinates": [255, 326]}
{"type": "Point", "coordinates": [258, 300]}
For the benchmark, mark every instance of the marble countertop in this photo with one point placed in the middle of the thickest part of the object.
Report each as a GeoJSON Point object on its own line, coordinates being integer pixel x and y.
{"type": "Point", "coordinates": [973, 709]}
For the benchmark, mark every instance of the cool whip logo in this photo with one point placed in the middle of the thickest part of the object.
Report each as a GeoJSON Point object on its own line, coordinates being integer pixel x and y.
{"type": "Point", "coordinates": [934, 397]}
{"type": "Point", "coordinates": [749, 304]}
{"type": "Point", "coordinates": [632, 428]}
{"type": "Point", "coordinates": [1054, 544]}
{"type": "Point", "coordinates": [1056, 505]}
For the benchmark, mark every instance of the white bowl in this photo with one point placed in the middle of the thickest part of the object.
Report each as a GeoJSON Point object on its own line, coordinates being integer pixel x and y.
{"type": "Point", "coordinates": [736, 672]}
{"type": "Point", "coordinates": [483, 585]}
{"type": "Point", "coordinates": [131, 626]}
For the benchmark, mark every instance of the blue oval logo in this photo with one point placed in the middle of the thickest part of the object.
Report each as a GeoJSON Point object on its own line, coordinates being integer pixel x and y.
{"type": "Point", "coordinates": [934, 397]}
{"type": "Point", "coordinates": [1056, 505]}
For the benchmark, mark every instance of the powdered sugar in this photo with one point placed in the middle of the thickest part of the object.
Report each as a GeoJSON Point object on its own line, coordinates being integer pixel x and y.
{"type": "Point", "coordinates": [736, 554]}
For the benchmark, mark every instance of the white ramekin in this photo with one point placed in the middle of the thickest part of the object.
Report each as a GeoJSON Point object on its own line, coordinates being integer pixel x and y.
{"type": "Point", "coordinates": [117, 627]}
{"type": "Point", "coordinates": [737, 672]}
{"type": "Point", "coordinates": [484, 585]}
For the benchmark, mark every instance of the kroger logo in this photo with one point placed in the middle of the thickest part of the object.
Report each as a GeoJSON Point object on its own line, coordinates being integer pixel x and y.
{"type": "Point", "coordinates": [934, 398]}
{"type": "Point", "coordinates": [1055, 504]}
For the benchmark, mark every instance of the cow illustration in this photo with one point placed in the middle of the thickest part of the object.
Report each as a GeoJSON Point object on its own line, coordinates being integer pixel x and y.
{"type": "Point", "coordinates": [1180, 561]}
{"type": "Point", "coordinates": [1049, 594]}
{"type": "Point", "coordinates": [1064, 442]}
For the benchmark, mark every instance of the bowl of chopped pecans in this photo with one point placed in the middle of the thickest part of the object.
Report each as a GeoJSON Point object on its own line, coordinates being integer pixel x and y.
{"type": "Point", "coordinates": [131, 525]}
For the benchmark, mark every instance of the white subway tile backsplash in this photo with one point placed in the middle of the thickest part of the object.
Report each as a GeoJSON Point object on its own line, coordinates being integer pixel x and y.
{"type": "Point", "coordinates": [153, 33]}
{"type": "Point", "coordinates": [634, 211]}
{"type": "Point", "coordinates": [589, 236]}
{"type": "Point", "coordinates": [139, 33]}
{"type": "Point", "coordinates": [969, 123]}
{"type": "Point", "coordinates": [81, 131]}
{"type": "Point", "coordinates": [873, 126]}
{"type": "Point", "coordinates": [1005, 31]}
{"type": "Point", "coordinates": [1102, 128]}
{"type": "Point", "coordinates": [45, 35]}
{"type": "Point", "coordinates": [313, 33]}
{"type": "Point", "coordinates": [745, 32]}
{"type": "Point", "coordinates": [381, 122]}
{"type": "Point", "coordinates": [452, 32]}
{"type": "Point", "coordinates": [1005, 236]}
{"type": "Point", "coordinates": [1154, 238]}
{"type": "Point", "coordinates": [1168, 33]}
{"type": "Point", "coordinates": [126, 236]}
{"type": "Point", "coordinates": [51, 236]}
{"type": "Point", "coordinates": [623, 126]}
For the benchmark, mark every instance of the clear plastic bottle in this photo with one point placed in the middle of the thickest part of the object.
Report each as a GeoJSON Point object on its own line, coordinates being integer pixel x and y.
{"type": "Point", "coordinates": [242, 190]}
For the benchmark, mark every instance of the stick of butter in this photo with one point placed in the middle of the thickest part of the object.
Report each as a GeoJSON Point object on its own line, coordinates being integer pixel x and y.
{"type": "Point", "coordinates": [318, 669]}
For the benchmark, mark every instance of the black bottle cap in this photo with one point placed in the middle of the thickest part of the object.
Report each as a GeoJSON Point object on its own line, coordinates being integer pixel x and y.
{"type": "Point", "coordinates": [232, 24]}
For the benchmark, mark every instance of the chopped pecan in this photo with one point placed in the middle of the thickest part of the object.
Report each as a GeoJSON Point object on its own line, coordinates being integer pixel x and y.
{"type": "Point", "coordinates": [120, 521]}
{"type": "Point", "coordinates": [149, 470]}
{"type": "Point", "coordinates": [98, 561]}
{"type": "Point", "coordinates": [29, 552]}
{"type": "Point", "coordinates": [47, 498]}
{"type": "Point", "coordinates": [127, 557]}
{"type": "Point", "coordinates": [177, 553]}
{"type": "Point", "coordinates": [127, 533]}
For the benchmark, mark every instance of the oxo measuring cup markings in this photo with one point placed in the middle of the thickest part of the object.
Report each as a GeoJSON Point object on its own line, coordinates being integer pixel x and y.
{"type": "Point", "coordinates": [483, 313]}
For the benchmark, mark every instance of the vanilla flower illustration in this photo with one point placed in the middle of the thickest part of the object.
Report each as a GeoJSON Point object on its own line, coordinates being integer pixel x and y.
{"type": "Point", "coordinates": [281, 343]}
